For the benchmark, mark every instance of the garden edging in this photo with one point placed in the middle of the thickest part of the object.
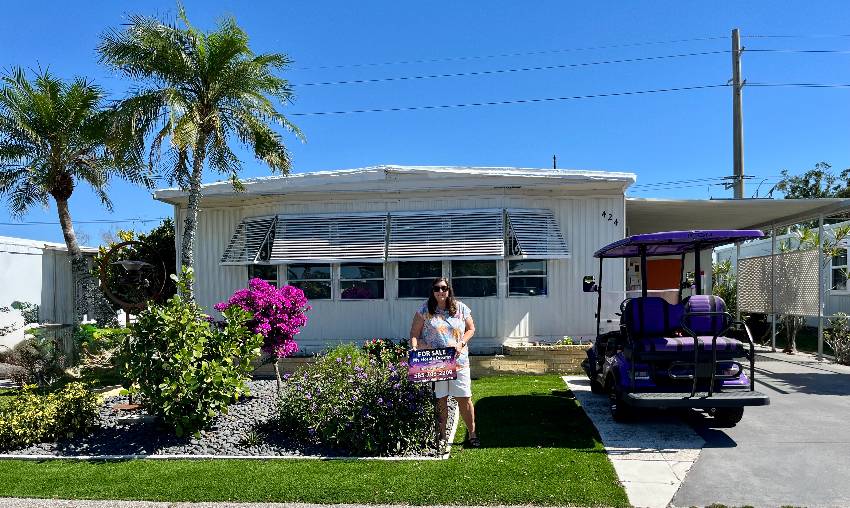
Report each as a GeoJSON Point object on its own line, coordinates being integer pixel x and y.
{"type": "Point", "coordinates": [526, 359]}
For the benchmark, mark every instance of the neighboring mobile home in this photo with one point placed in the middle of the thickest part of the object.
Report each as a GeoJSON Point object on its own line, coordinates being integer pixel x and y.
{"type": "Point", "coordinates": [38, 272]}
{"type": "Point", "coordinates": [365, 244]}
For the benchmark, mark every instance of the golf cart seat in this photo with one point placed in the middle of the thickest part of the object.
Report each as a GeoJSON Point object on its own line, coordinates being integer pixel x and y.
{"type": "Point", "coordinates": [655, 326]}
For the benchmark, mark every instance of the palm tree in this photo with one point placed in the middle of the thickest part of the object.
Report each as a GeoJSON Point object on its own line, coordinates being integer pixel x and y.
{"type": "Point", "coordinates": [53, 135]}
{"type": "Point", "coordinates": [200, 90]}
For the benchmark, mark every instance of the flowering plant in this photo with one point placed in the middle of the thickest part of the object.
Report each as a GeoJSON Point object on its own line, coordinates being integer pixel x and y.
{"type": "Point", "coordinates": [358, 405]}
{"type": "Point", "coordinates": [279, 314]}
{"type": "Point", "coordinates": [386, 349]}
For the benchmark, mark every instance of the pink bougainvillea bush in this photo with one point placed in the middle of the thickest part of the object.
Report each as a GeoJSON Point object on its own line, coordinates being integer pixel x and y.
{"type": "Point", "coordinates": [279, 314]}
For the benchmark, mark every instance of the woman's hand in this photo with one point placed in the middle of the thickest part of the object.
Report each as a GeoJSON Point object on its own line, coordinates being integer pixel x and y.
{"type": "Point", "coordinates": [460, 346]}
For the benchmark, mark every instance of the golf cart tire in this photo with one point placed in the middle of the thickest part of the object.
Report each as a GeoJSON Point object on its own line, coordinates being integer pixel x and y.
{"type": "Point", "coordinates": [620, 411]}
{"type": "Point", "coordinates": [728, 415]}
{"type": "Point", "coordinates": [595, 386]}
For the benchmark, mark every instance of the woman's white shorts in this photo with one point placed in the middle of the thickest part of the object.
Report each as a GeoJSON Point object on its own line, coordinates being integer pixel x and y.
{"type": "Point", "coordinates": [460, 387]}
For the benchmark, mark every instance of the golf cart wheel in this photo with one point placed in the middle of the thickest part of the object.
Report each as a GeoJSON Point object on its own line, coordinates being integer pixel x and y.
{"type": "Point", "coordinates": [728, 415]}
{"type": "Point", "coordinates": [620, 411]}
{"type": "Point", "coordinates": [596, 386]}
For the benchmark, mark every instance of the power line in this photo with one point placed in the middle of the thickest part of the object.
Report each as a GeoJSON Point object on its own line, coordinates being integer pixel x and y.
{"type": "Point", "coordinates": [97, 221]}
{"type": "Point", "coordinates": [667, 183]}
{"type": "Point", "coordinates": [771, 50]}
{"type": "Point", "coordinates": [801, 85]}
{"type": "Point", "coordinates": [503, 71]}
{"type": "Point", "coordinates": [512, 101]}
{"type": "Point", "coordinates": [504, 55]}
{"type": "Point", "coordinates": [798, 36]}
{"type": "Point", "coordinates": [690, 186]}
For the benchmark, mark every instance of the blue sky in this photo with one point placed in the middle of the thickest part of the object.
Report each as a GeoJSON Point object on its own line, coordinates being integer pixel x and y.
{"type": "Point", "coordinates": [662, 137]}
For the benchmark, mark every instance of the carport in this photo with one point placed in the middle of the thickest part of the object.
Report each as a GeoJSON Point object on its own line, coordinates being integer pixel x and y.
{"type": "Point", "coordinates": [781, 283]}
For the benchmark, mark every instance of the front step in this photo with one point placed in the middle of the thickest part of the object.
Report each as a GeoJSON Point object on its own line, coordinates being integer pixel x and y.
{"type": "Point", "coordinates": [700, 400]}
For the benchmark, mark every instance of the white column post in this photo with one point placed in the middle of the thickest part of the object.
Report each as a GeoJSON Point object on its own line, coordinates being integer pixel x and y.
{"type": "Point", "coordinates": [773, 288]}
{"type": "Point", "coordinates": [821, 271]}
{"type": "Point", "coordinates": [737, 294]}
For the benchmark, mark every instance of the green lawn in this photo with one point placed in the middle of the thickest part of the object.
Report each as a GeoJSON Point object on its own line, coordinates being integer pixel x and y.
{"type": "Point", "coordinates": [537, 449]}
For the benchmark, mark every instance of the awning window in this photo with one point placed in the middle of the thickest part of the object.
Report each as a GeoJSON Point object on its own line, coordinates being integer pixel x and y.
{"type": "Point", "coordinates": [250, 242]}
{"type": "Point", "coordinates": [442, 234]}
{"type": "Point", "coordinates": [534, 234]}
{"type": "Point", "coordinates": [417, 235]}
{"type": "Point", "coordinates": [328, 238]}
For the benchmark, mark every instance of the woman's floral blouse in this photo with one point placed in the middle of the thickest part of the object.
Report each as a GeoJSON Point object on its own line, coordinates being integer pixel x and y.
{"type": "Point", "coordinates": [443, 330]}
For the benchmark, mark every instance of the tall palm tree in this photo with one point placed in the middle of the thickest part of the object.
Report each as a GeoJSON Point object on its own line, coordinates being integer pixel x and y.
{"type": "Point", "coordinates": [200, 90]}
{"type": "Point", "coordinates": [55, 134]}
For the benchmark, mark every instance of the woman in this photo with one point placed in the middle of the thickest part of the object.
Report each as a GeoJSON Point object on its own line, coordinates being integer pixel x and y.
{"type": "Point", "coordinates": [445, 322]}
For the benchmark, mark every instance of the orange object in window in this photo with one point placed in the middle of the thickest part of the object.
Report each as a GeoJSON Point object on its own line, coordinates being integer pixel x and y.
{"type": "Point", "coordinates": [663, 273]}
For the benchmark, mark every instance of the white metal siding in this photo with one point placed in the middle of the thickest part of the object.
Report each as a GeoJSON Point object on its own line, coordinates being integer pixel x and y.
{"type": "Point", "coordinates": [566, 310]}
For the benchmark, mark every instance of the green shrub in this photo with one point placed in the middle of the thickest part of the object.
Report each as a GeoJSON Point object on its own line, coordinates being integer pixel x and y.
{"type": "Point", "coordinates": [837, 336]}
{"type": "Point", "coordinates": [358, 405]}
{"type": "Point", "coordinates": [99, 348]}
{"type": "Point", "coordinates": [28, 310]}
{"type": "Point", "coordinates": [186, 369]}
{"type": "Point", "coordinates": [387, 350]}
{"type": "Point", "coordinates": [39, 361]}
{"type": "Point", "coordinates": [32, 418]}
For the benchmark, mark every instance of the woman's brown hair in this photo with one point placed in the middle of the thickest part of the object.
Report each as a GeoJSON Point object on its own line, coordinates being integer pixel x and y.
{"type": "Point", "coordinates": [451, 306]}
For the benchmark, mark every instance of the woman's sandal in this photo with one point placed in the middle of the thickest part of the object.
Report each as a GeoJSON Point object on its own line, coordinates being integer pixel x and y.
{"type": "Point", "coordinates": [473, 442]}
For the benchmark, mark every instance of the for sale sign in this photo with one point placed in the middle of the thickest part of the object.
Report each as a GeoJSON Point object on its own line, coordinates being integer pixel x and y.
{"type": "Point", "coordinates": [432, 365]}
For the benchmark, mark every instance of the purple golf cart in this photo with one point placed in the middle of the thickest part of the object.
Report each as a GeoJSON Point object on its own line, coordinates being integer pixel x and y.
{"type": "Point", "coordinates": [688, 354]}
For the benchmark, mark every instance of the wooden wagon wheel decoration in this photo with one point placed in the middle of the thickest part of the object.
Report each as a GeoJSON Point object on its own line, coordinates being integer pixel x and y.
{"type": "Point", "coordinates": [138, 282]}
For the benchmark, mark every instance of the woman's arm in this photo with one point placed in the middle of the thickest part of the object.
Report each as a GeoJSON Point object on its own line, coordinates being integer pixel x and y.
{"type": "Point", "coordinates": [416, 330]}
{"type": "Point", "coordinates": [470, 331]}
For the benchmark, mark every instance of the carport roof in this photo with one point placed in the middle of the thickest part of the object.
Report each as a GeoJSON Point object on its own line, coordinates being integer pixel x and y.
{"type": "Point", "coordinates": [653, 215]}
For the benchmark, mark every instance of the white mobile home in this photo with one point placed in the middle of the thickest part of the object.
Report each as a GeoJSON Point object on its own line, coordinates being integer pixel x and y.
{"type": "Point", "coordinates": [38, 272]}
{"type": "Point", "coordinates": [365, 244]}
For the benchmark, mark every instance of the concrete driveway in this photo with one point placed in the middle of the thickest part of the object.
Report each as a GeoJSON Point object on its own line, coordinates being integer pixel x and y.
{"type": "Point", "coordinates": [796, 451]}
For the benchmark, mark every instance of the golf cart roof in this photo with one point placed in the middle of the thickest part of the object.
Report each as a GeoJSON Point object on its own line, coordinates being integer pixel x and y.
{"type": "Point", "coordinates": [674, 242]}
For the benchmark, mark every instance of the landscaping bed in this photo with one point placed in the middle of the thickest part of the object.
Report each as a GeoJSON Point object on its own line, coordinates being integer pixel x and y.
{"type": "Point", "coordinates": [537, 448]}
{"type": "Point", "coordinates": [247, 430]}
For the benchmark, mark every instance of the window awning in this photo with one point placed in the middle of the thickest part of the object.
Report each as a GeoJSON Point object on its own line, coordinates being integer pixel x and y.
{"type": "Point", "coordinates": [441, 234]}
{"type": "Point", "coordinates": [328, 238]}
{"type": "Point", "coordinates": [398, 236]}
{"type": "Point", "coordinates": [249, 238]}
{"type": "Point", "coordinates": [534, 234]}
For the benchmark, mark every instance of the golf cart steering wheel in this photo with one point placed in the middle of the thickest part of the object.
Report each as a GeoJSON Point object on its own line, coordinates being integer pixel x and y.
{"type": "Point", "coordinates": [623, 305]}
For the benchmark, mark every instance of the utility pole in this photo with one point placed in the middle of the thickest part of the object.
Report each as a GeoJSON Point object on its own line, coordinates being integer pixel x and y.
{"type": "Point", "coordinates": [737, 118]}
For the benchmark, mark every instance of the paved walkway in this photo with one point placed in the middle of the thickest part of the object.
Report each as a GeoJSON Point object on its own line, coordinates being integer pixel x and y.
{"type": "Point", "coordinates": [651, 456]}
{"type": "Point", "coordinates": [796, 451]}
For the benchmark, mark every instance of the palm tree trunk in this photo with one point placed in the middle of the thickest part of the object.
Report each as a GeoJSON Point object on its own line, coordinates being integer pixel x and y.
{"type": "Point", "coordinates": [78, 262]}
{"type": "Point", "coordinates": [187, 250]}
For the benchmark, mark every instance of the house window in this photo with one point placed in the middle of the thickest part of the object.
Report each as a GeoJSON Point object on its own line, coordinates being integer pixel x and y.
{"type": "Point", "coordinates": [361, 281]}
{"type": "Point", "coordinates": [313, 279]}
{"type": "Point", "coordinates": [474, 278]}
{"type": "Point", "coordinates": [266, 272]}
{"type": "Point", "coordinates": [839, 271]}
{"type": "Point", "coordinates": [527, 278]}
{"type": "Point", "coordinates": [415, 278]}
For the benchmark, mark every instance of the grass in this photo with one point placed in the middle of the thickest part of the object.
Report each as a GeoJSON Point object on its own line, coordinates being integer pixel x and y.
{"type": "Point", "coordinates": [538, 449]}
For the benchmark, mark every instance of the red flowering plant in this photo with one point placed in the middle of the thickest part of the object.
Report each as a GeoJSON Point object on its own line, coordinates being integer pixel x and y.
{"type": "Point", "coordinates": [279, 314]}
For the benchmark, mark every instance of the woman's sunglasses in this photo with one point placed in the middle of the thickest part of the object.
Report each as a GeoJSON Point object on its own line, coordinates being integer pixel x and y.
{"type": "Point", "coordinates": [439, 289]}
